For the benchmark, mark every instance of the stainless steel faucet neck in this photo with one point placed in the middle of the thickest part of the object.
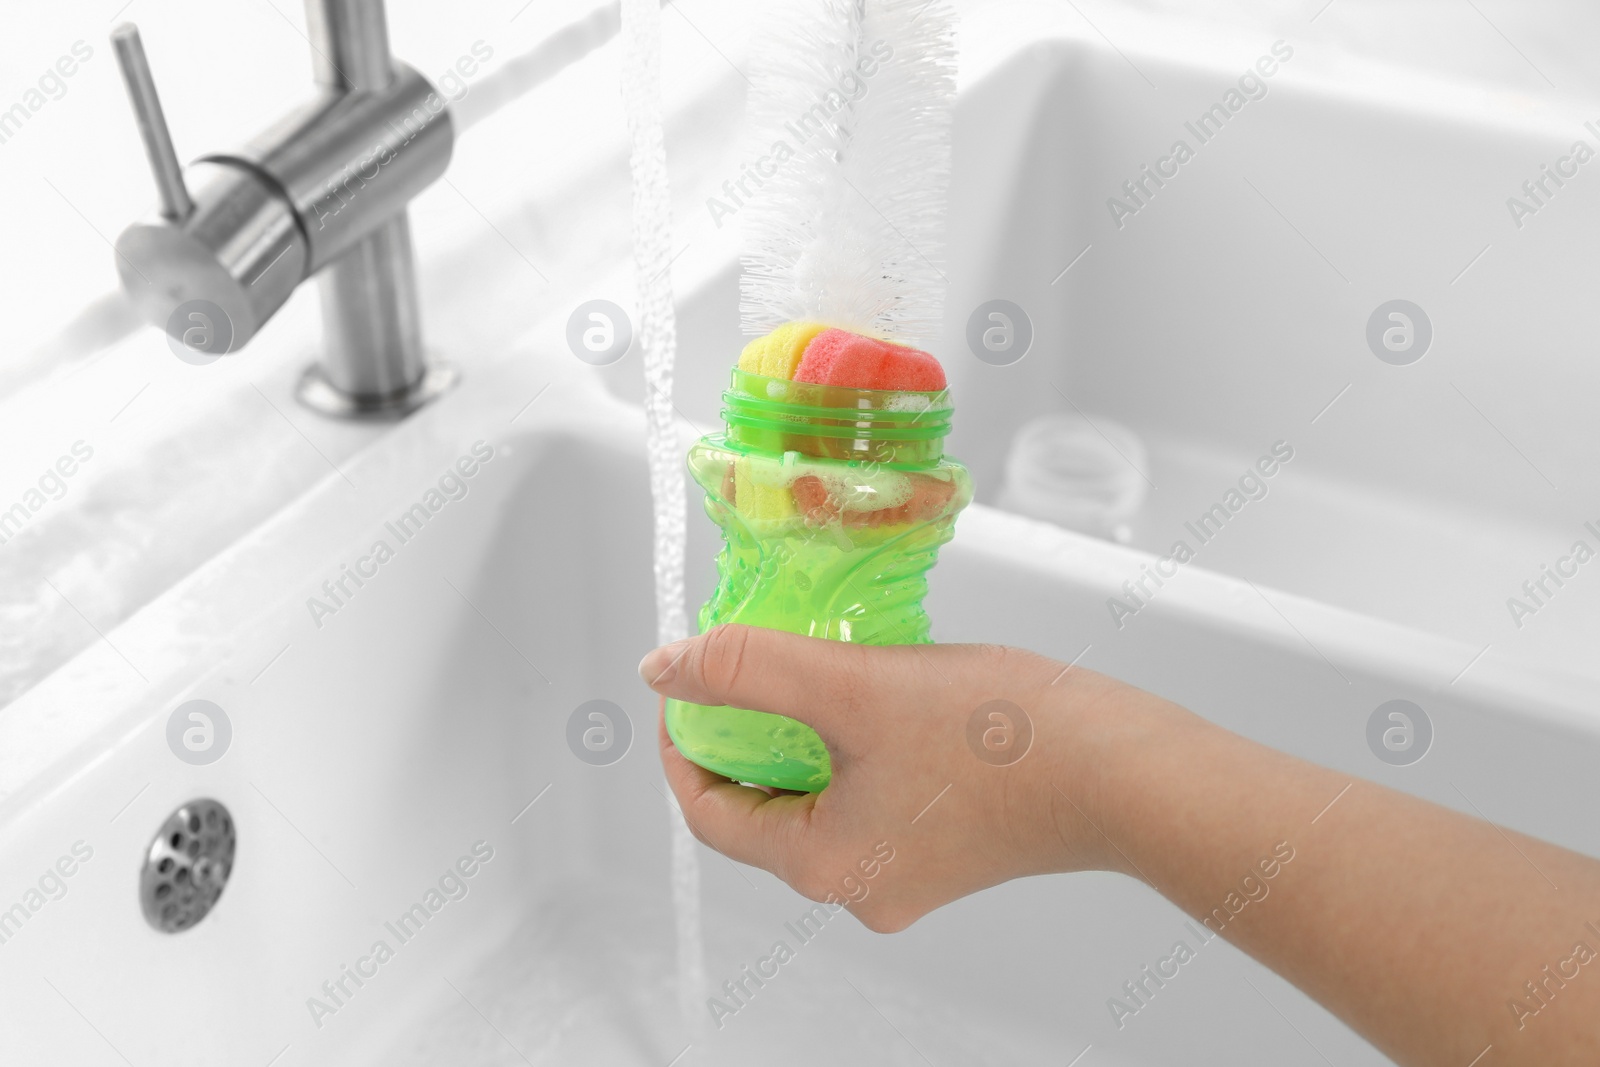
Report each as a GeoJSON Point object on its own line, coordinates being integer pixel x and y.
{"type": "Point", "coordinates": [349, 44]}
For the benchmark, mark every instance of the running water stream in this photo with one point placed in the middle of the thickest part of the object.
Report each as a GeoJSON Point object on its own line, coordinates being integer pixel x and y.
{"type": "Point", "coordinates": [652, 257]}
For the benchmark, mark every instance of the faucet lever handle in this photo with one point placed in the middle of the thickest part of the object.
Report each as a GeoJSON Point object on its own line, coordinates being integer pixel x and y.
{"type": "Point", "coordinates": [176, 203]}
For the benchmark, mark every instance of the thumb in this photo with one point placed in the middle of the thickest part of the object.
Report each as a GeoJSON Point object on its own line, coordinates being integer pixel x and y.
{"type": "Point", "coordinates": [832, 686]}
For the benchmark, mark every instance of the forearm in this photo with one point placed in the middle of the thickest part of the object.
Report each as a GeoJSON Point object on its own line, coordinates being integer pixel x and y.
{"type": "Point", "coordinates": [1432, 933]}
{"type": "Point", "coordinates": [1415, 924]}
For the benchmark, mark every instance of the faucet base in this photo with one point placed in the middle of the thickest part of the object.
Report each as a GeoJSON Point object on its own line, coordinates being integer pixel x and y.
{"type": "Point", "coordinates": [322, 396]}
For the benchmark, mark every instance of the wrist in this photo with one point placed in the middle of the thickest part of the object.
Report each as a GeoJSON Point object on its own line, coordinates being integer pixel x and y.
{"type": "Point", "coordinates": [1102, 738]}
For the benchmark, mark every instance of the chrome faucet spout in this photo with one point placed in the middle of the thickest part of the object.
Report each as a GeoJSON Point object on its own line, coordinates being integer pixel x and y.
{"type": "Point", "coordinates": [322, 192]}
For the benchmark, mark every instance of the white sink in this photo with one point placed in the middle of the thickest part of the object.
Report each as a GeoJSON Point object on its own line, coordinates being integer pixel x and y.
{"type": "Point", "coordinates": [375, 745]}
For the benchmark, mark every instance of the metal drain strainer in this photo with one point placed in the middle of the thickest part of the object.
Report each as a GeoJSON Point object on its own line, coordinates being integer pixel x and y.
{"type": "Point", "coordinates": [187, 865]}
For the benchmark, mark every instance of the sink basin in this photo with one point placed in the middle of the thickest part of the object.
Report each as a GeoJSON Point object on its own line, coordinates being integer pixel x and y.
{"type": "Point", "coordinates": [426, 716]}
{"type": "Point", "coordinates": [390, 733]}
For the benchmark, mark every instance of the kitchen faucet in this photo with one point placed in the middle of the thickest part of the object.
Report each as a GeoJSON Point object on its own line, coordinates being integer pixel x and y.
{"type": "Point", "coordinates": [321, 192]}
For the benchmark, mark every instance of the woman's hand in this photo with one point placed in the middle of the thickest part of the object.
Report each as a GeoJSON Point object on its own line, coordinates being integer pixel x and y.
{"type": "Point", "coordinates": [923, 807]}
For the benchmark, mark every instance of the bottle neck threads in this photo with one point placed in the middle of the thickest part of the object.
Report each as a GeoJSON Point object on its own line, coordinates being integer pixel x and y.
{"type": "Point", "coordinates": [892, 427]}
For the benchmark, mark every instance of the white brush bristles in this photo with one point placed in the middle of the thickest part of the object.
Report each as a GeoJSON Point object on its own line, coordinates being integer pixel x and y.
{"type": "Point", "coordinates": [850, 113]}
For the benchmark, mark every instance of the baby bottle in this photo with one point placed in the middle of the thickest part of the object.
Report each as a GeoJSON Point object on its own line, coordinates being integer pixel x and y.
{"type": "Point", "coordinates": [833, 502]}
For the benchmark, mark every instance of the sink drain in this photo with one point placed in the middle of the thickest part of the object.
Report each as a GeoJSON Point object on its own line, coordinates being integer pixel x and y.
{"type": "Point", "coordinates": [187, 865]}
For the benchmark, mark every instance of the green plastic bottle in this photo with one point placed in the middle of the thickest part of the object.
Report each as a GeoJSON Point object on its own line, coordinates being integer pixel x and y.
{"type": "Point", "coordinates": [833, 503]}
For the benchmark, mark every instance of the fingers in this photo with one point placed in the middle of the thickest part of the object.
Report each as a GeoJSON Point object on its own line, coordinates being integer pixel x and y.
{"type": "Point", "coordinates": [741, 822]}
{"type": "Point", "coordinates": [828, 685]}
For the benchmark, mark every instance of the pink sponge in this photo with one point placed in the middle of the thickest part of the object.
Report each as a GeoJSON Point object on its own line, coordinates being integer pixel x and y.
{"type": "Point", "coordinates": [839, 357]}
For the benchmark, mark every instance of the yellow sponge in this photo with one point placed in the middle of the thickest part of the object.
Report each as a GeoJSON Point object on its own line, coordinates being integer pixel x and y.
{"type": "Point", "coordinates": [757, 497]}
{"type": "Point", "coordinates": [778, 353]}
